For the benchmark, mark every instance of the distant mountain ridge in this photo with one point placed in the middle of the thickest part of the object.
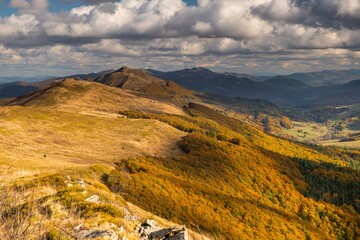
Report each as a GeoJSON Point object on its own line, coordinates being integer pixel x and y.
{"type": "Point", "coordinates": [18, 86]}
{"type": "Point", "coordinates": [327, 77]}
{"type": "Point", "coordinates": [24, 79]}
{"type": "Point", "coordinates": [319, 78]}
{"type": "Point", "coordinates": [285, 82]}
{"type": "Point", "coordinates": [15, 89]}
{"type": "Point", "coordinates": [281, 90]}
{"type": "Point", "coordinates": [204, 80]}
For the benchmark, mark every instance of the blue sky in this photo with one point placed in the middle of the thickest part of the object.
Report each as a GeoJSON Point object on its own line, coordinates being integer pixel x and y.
{"type": "Point", "coordinates": [57, 6]}
{"type": "Point", "coordinates": [4, 8]}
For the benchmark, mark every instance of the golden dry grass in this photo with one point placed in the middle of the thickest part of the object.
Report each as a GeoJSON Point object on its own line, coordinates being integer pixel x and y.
{"type": "Point", "coordinates": [34, 140]}
{"type": "Point", "coordinates": [77, 96]}
{"type": "Point", "coordinates": [336, 142]}
{"type": "Point", "coordinates": [315, 131]}
{"type": "Point", "coordinates": [54, 199]}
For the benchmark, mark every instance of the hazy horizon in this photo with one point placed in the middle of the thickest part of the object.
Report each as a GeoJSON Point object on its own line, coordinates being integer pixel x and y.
{"type": "Point", "coordinates": [44, 77]}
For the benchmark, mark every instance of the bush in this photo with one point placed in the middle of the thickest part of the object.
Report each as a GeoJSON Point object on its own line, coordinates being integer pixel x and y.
{"type": "Point", "coordinates": [235, 141]}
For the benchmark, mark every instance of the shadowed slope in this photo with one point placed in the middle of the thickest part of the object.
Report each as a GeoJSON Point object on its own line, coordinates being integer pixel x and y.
{"type": "Point", "coordinates": [146, 85]}
{"type": "Point", "coordinates": [281, 90]}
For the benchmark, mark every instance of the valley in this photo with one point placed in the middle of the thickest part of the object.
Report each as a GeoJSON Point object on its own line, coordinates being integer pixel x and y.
{"type": "Point", "coordinates": [332, 126]}
{"type": "Point", "coordinates": [179, 120]}
{"type": "Point", "coordinates": [108, 153]}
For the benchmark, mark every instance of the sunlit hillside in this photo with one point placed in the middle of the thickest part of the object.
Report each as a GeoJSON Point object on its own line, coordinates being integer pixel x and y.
{"type": "Point", "coordinates": [180, 120]}
{"type": "Point", "coordinates": [76, 96]}
{"type": "Point", "coordinates": [190, 165]}
{"type": "Point", "coordinates": [251, 186]}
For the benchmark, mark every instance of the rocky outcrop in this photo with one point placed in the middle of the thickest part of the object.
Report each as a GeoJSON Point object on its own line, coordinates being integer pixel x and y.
{"type": "Point", "coordinates": [104, 233]}
{"type": "Point", "coordinates": [93, 199]}
{"type": "Point", "coordinates": [93, 234]}
{"type": "Point", "coordinates": [173, 233]}
{"type": "Point", "coordinates": [149, 229]}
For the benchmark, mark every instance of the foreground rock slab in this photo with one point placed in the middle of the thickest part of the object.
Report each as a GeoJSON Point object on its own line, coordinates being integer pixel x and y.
{"type": "Point", "coordinates": [149, 229]}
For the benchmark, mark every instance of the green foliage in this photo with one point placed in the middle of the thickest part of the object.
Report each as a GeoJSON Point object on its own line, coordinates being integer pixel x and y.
{"type": "Point", "coordinates": [330, 183]}
{"type": "Point", "coordinates": [355, 164]}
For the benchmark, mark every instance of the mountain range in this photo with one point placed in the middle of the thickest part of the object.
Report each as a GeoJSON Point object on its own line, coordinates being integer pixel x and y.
{"type": "Point", "coordinates": [101, 155]}
{"type": "Point", "coordinates": [24, 79]}
{"type": "Point", "coordinates": [143, 85]}
{"type": "Point", "coordinates": [327, 77]}
{"type": "Point", "coordinates": [290, 91]}
{"type": "Point", "coordinates": [281, 90]}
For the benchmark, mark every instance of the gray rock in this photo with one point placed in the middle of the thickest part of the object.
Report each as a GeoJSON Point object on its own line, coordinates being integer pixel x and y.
{"type": "Point", "coordinates": [150, 230]}
{"type": "Point", "coordinates": [145, 228]}
{"type": "Point", "coordinates": [80, 182]}
{"type": "Point", "coordinates": [93, 199]}
{"type": "Point", "coordinates": [175, 233]}
{"type": "Point", "coordinates": [92, 234]}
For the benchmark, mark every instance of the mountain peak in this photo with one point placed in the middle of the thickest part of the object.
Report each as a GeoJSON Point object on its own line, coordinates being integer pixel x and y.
{"type": "Point", "coordinates": [122, 69]}
{"type": "Point", "coordinates": [200, 69]}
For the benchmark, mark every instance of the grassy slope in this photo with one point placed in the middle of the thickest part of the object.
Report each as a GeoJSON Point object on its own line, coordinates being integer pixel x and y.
{"type": "Point", "coordinates": [127, 78]}
{"type": "Point", "coordinates": [253, 188]}
{"type": "Point", "coordinates": [348, 144]}
{"type": "Point", "coordinates": [55, 204]}
{"type": "Point", "coordinates": [77, 96]}
{"type": "Point", "coordinates": [69, 139]}
{"type": "Point", "coordinates": [144, 85]}
{"type": "Point", "coordinates": [64, 131]}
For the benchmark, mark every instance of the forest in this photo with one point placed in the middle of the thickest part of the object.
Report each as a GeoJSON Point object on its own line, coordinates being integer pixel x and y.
{"type": "Point", "coordinates": [236, 182]}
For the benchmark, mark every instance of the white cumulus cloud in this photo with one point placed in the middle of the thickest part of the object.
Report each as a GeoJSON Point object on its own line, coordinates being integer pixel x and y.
{"type": "Point", "coordinates": [169, 28]}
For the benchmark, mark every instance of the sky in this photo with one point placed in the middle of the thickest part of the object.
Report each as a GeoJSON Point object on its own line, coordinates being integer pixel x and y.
{"type": "Point", "coordinates": [262, 37]}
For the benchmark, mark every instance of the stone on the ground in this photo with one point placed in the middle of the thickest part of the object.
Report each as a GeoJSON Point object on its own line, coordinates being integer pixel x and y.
{"type": "Point", "coordinates": [149, 229]}
{"type": "Point", "coordinates": [93, 199]}
{"type": "Point", "coordinates": [92, 234]}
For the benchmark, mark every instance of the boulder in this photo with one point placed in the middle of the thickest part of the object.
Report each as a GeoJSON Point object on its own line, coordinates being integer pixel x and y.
{"type": "Point", "coordinates": [173, 233]}
{"type": "Point", "coordinates": [149, 229]}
